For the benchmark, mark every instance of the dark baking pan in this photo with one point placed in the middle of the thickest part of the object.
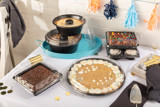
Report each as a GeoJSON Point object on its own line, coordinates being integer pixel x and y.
{"type": "Point", "coordinates": [116, 57]}
{"type": "Point", "coordinates": [65, 48]}
{"type": "Point", "coordinates": [44, 88]}
{"type": "Point", "coordinates": [122, 55]}
{"type": "Point", "coordinates": [132, 56]}
{"type": "Point", "coordinates": [69, 31]}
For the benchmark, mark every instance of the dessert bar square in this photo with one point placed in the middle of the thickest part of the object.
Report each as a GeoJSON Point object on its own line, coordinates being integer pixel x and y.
{"type": "Point", "coordinates": [121, 38]}
{"type": "Point", "coordinates": [37, 77]}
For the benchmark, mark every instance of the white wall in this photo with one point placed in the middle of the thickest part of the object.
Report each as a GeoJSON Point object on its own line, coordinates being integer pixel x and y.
{"type": "Point", "coordinates": [99, 24]}
{"type": "Point", "coordinates": [38, 16]}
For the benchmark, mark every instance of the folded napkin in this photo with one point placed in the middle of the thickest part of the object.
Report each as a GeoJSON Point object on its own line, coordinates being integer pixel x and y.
{"type": "Point", "coordinates": [124, 99]}
{"type": "Point", "coordinates": [17, 23]}
{"type": "Point", "coordinates": [153, 82]}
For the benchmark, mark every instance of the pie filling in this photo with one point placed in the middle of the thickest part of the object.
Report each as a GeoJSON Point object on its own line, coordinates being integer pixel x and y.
{"type": "Point", "coordinates": [95, 76]}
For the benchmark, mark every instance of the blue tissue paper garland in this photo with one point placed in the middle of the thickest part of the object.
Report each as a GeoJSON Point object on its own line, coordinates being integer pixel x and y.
{"type": "Point", "coordinates": [110, 10]}
{"type": "Point", "coordinates": [132, 18]}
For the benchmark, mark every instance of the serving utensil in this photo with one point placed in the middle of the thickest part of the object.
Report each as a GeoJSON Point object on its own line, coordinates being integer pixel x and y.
{"type": "Point", "coordinates": [135, 95]}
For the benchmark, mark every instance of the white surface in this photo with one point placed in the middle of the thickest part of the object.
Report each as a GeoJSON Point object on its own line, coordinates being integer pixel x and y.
{"type": "Point", "coordinates": [99, 24]}
{"type": "Point", "coordinates": [20, 98]}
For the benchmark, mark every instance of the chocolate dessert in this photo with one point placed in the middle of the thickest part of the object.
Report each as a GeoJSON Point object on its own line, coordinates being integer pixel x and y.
{"type": "Point", "coordinates": [122, 45]}
{"type": "Point", "coordinates": [37, 77]}
{"type": "Point", "coordinates": [132, 52]}
{"type": "Point", "coordinates": [122, 38]}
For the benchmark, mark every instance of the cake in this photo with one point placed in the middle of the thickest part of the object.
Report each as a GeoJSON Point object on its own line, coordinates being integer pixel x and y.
{"type": "Point", "coordinates": [154, 60]}
{"type": "Point", "coordinates": [95, 76]}
{"type": "Point", "coordinates": [73, 22]}
{"type": "Point", "coordinates": [115, 51]}
{"type": "Point", "coordinates": [37, 78]}
{"type": "Point", "coordinates": [71, 39]}
{"type": "Point", "coordinates": [132, 52]}
{"type": "Point", "coordinates": [122, 38]}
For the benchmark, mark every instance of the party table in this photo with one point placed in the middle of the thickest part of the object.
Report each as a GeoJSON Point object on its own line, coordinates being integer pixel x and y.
{"type": "Point", "coordinates": [21, 98]}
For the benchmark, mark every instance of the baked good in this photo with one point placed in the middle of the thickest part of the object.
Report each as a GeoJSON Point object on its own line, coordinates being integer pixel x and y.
{"type": "Point", "coordinates": [122, 38]}
{"type": "Point", "coordinates": [131, 52]}
{"type": "Point", "coordinates": [95, 76]}
{"type": "Point", "coordinates": [72, 22]}
{"type": "Point", "coordinates": [71, 39]}
{"type": "Point", "coordinates": [37, 78]}
{"type": "Point", "coordinates": [115, 51]}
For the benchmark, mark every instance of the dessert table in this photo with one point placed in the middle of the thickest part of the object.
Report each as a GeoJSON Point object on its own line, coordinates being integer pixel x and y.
{"type": "Point", "coordinates": [21, 98]}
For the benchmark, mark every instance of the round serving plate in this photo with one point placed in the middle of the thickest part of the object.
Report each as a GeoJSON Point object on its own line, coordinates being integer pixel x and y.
{"type": "Point", "coordinates": [65, 82]}
{"type": "Point", "coordinates": [84, 49]}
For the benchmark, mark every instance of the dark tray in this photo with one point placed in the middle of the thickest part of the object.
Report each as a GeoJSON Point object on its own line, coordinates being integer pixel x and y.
{"type": "Point", "coordinates": [122, 55]}
{"type": "Point", "coordinates": [132, 56]}
{"type": "Point", "coordinates": [83, 93]}
{"type": "Point", "coordinates": [69, 30]}
{"type": "Point", "coordinates": [114, 56]}
{"type": "Point", "coordinates": [121, 46]}
{"type": "Point", "coordinates": [43, 89]}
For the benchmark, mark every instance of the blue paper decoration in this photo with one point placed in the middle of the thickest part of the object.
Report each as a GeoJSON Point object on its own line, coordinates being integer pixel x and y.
{"type": "Point", "coordinates": [132, 18]}
{"type": "Point", "coordinates": [110, 10]}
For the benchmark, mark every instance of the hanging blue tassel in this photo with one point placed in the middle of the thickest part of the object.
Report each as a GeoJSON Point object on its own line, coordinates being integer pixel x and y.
{"type": "Point", "coordinates": [110, 10]}
{"type": "Point", "coordinates": [132, 18]}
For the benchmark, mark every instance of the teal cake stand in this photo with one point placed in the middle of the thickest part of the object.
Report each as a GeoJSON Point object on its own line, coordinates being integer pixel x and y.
{"type": "Point", "coordinates": [84, 49]}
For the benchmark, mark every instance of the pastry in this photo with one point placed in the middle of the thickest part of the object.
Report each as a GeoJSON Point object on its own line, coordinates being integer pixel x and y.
{"type": "Point", "coordinates": [71, 39]}
{"type": "Point", "coordinates": [37, 78]}
{"type": "Point", "coordinates": [132, 52]}
{"type": "Point", "coordinates": [95, 76]}
{"type": "Point", "coordinates": [122, 38]}
{"type": "Point", "coordinates": [72, 22]}
{"type": "Point", "coordinates": [115, 51]}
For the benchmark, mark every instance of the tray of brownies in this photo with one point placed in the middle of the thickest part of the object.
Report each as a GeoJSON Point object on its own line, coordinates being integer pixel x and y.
{"type": "Point", "coordinates": [37, 78]}
{"type": "Point", "coordinates": [122, 45]}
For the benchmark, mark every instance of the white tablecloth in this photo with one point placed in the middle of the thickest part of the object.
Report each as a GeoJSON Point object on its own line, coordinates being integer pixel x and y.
{"type": "Point", "coordinates": [20, 98]}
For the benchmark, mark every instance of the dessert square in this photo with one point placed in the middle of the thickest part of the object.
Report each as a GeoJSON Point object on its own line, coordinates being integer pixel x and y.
{"type": "Point", "coordinates": [37, 77]}
{"type": "Point", "coordinates": [122, 38]}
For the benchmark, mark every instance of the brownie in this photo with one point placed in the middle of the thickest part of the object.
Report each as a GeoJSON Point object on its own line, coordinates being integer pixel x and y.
{"type": "Point", "coordinates": [122, 38]}
{"type": "Point", "coordinates": [37, 78]}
